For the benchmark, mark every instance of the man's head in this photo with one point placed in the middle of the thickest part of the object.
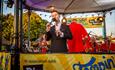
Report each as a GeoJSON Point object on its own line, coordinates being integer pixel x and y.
{"type": "Point", "coordinates": [55, 15]}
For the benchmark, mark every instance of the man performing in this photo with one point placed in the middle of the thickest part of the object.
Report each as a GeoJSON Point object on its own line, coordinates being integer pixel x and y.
{"type": "Point", "coordinates": [58, 33]}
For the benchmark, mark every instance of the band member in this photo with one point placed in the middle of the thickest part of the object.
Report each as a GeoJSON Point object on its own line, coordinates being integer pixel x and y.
{"type": "Point", "coordinates": [80, 42]}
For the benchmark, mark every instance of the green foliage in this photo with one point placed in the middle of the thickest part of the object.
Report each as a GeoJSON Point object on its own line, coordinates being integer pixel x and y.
{"type": "Point", "coordinates": [37, 26]}
{"type": "Point", "coordinates": [7, 26]}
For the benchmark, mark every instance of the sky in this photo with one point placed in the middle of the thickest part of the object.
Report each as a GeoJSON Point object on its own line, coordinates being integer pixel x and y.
{"type": "Point", "coordinates": [7, 10]}
{"type": "Point", "coordinates": [110, 19]}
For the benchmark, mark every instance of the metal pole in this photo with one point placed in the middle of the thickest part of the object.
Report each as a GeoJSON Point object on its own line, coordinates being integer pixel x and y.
{"type": "Point", "coordinates": [21, 25]}
{"type": "Point", "coordinates": [15, 55]}
{"type": "Point", "coordinates": [0, 26]}
{"type": "Point", "coordinates": [104, 25]}
{"type": "Point", "coordinates": [16, 24]}
{"type": "Point", "coordinates": [29, 13]}
{"type": "Point", "coordinates": [1, 15]}
{"type": "Point", "coordinates": [107, 41]}
{"type": "Point", "coordinates": [104, 32]}
{"type": "Point", "coordinates": [0, 6]}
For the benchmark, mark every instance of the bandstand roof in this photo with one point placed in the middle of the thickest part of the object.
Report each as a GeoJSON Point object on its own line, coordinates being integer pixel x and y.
{"type": "Point", "coordinates": [72, 6]}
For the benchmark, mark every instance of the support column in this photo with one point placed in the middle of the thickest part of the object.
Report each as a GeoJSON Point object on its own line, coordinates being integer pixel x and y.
{"type": "Point", "coordinates": [29, 13]}
{"type": "Point", "coordinates": [21, 25]}
{"type": "Point", "coordinates": [16, 52]}
{"type": "Point", "coordinates": [1, 14]}
{"type": "Point", "coordinates": [104, 25]}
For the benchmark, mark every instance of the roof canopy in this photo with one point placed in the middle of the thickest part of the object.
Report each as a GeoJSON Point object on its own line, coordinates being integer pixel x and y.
{"type": "Point", "coordinates": [72, 6]}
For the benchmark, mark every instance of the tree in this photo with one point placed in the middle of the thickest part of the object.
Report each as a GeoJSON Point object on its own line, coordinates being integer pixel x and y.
{"type": "Point", "coordinates": [37, 25]}
{"type": "Point", "coordinates": [7, 26]}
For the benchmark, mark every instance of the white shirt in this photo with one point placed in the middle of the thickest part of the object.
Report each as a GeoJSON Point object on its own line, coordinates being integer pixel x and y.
{"type": "Point", "coordinates": [57, 28]}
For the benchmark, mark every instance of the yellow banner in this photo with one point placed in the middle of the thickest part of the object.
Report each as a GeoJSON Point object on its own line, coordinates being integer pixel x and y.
{"type": "Point", "coordinates": [89, 22]}
{"type": "Point", "coordinates": [5, 61]}
{"type": "Point", "coordinates": [67, 62]}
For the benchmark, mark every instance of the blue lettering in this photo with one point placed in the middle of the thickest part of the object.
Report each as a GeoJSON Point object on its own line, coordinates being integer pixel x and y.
{"type": "Point", "coordinates": [106, 64]}
{"type": "Point", "coordinates": [94, 67]}
{"type": "Point", "coordinates": [109, 63]}
{"type": "Point", "coordinates": [93, 59]}
{"type": "Point", "coordinates": [101, 66]}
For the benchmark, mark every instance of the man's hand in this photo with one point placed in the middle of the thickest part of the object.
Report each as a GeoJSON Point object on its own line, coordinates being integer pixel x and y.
{"type": "Point", "coordinates": [59, 33]}
{"type": "Point", "coordinates": [48, 26]}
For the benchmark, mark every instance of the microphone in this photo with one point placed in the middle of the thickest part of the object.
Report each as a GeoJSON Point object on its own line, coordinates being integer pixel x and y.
{"type": "Point", "coordinates": [53, 20]}
{"type": "Point", "coordinates": [50, 24]}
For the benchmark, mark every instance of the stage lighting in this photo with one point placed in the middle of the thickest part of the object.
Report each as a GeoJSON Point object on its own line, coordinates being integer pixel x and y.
{"type": "Point", "coordinates": [64, 20]}
{"type": "Point", "coordinates": [100, 19]}
{"type": "Point", "coordinates": [10, 3]}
